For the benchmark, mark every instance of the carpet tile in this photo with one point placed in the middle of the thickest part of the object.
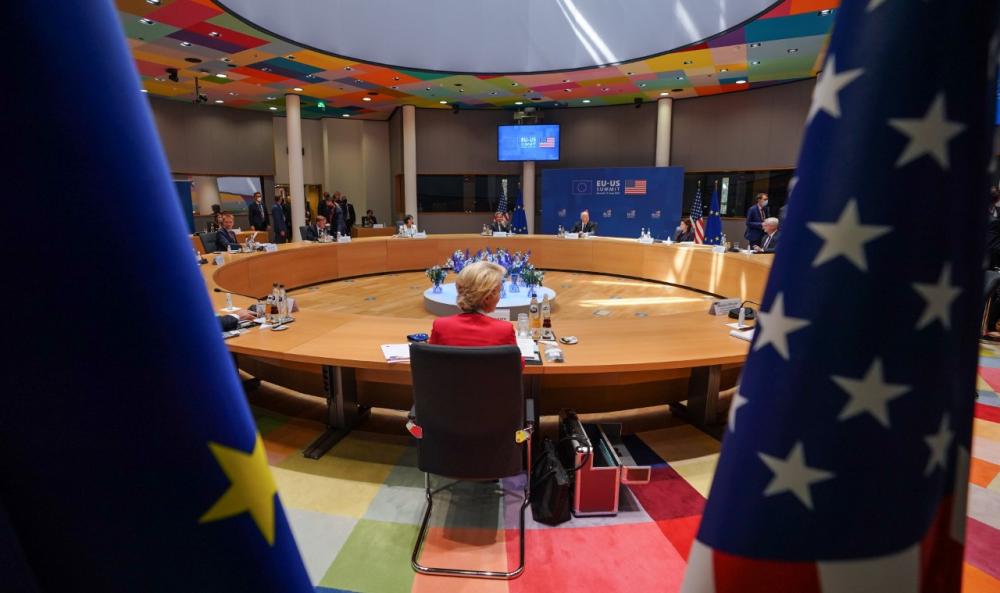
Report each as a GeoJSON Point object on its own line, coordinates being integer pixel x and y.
{"type": "Point", "coordinates": [356, 511]}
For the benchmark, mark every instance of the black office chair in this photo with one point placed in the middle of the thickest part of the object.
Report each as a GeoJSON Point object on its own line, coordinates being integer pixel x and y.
{"type": "Point", "coordinates": [302, 231]}
{"type": "Point", "coordinates": [471, 407]}
{"type": "Point", "coordinates": [208, 242]}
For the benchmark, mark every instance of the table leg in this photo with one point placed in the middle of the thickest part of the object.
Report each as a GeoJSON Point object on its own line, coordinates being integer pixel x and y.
{"type": "Point", "coordinates": [343, 412]}
{"type": "Point", "coordinates": [703, 397]}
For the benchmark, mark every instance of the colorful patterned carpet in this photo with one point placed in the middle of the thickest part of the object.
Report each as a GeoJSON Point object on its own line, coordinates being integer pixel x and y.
{"type": "Point", "coordinates": [355, 514]}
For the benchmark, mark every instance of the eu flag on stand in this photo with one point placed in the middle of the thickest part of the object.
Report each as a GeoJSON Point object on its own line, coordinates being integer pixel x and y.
{"type": "Point", "coordinates": [130, 458]}
{"type": "Point", "coordinates": [519, 222]}
{"type": "Point", "coordinates": [845, 459]}
{"type": "Point", "coordinates": [713, 230]}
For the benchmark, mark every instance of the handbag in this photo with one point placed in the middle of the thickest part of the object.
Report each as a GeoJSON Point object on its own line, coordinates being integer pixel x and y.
{"type": "Point", "coordinates": [550, 487]}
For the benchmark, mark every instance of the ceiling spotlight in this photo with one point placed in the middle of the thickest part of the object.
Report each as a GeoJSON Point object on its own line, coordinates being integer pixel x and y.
{"type": "Point", "coordinates": [273, 108]}
{"type": "Point", "coordinates": [366, 98]}
{"type": "Point", "coordinates": [567, 80]}
{"type": "Point", "coordinates": [146, 21]}
{"type": "Point", "coordinates": [172, 74]}
{"type": "Point", "coordinates": [793, 50]}
{"type": "Point", "coordinates": [605, 89]}
{"type": "Point", "coordinates": [513, 84]}
{"type": "Point", "coordinates": [642, 84]}
{"type": "Point", "coordinates": [757, 44]}
{"type": "Point", "coordinates": [233, 93]}
{"type": "Point", "coordinates": [461, 90]}
{"type": "Point", "coordinates": [153, 2]}
{"type": "Point", "coordinates": [825, 12]}
{"type": "Point", "coordinates": [741, 81]}
{"type": "Point", "coordinates": [297, 89]}
{"type": "Point", "coordinates": [493, 92]}
{"type": "Point", "coordinates": [664, 94]}
{"type": "Point", "coordinates": [219, 101]}
{"type": "Point", "coordinates": [443, 102]}
{"type": "Point", "coordinates": [226, 60]}
{"type": "Point", "coordinates": [755, 62]}
{"type": "Point", "coordinates": [348, 68]}
{"type": "Point", "coordinates": [221, 75]}
{"type": "Point", "coordinates": [565, 90]}
{"type": "Point", "coordinates": [518, 102]}
{"type": "Point", "coordinates": [271, 98]}
{"type": "Point", "coordinates": [289, 57]}
{"type": "Point", "coordinates": [395, 78]}
{"type": "Point", "coordinates": [585, 101]}
{"type": "Point", "coordinates": [724, 70]}
{"type": "Point", "coordinates": [638, 102]}
{"type": "Point", "coordinates": [680, 78]}
{"type": "Point", "coordinates": [143, 91]}
{"type": "Point", "coordinates": [185, 44]}
{"type": "Point", "coordinates": [214, 34]}
{"type": "Point", "coordinates": [427, 88]}
{"type": "Point", "coordinates": [394, 87]}
{"type": "Point", "coordinates": [629, 73]}
{"type": "Point", "coordinates": [688, 62]}
{"type": "Point", "coordinates": [346, 115]}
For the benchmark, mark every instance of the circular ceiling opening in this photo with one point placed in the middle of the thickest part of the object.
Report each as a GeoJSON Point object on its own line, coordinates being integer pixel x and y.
{"type": "Point", "coordinates": [514, 36]}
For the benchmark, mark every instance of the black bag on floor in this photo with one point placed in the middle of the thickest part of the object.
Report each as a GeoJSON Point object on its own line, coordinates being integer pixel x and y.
{"type": "Point", "coordinates": [551, 495]}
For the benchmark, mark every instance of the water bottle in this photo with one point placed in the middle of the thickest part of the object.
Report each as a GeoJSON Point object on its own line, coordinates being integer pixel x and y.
{"type": "Point", "coordinates": [229, 301]}
{"type": "Point", "coordinates": [282, 304]}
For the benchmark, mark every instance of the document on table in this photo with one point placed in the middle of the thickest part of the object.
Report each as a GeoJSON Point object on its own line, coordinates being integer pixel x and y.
{"type": "Point", "coordinates": [529, 349]}
{"type": "Point", "coordinates": [743, 335]}
{"type": "Point", "coordinates": [396, 353]}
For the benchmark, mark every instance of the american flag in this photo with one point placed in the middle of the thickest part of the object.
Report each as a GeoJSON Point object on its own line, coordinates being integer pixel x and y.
{"type": "Point", "coordinates": [635, 187]}
{"type": "Point", "coordinates": [697, 222]}
{"type": "Point", "coordinates": [549, 142]}
{"type": "Point", "coordinates": [845, 461]}
{"type": "Point", "coordinates": [502, 204]}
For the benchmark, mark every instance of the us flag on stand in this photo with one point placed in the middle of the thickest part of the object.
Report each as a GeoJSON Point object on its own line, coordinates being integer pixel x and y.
{"type": "Point", "coordinates": [549, 142]}
{"type": "Point", "coordinates": [697, 222]}
{"type": "Point", "coordinates": [845, 460]}
{"type": "Point", "coordinates": [635, 187]}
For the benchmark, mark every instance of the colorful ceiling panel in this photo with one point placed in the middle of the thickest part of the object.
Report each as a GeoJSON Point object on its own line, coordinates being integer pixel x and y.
{"type": "Point", "coordinates": [237, 65]}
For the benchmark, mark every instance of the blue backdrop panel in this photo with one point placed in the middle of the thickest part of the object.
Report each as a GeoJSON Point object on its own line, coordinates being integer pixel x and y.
{"type": "Point", "coordinates": [622, 201]}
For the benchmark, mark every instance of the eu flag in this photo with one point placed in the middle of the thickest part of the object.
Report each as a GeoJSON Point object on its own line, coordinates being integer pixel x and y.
{"type": "Point", "coordinates": [845, 460]}
{"type": "Point", "coordinates": [519, 222]}
{"type": "Point", "coordinates": [713, 229]}
{"type": "Point", "coordinates": [130, 459]}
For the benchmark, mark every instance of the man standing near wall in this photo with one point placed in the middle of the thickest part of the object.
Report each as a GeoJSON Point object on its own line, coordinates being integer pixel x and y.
{"type": "Point", "coordinates": [756, 215]}
{"type": "Point", "coordinates": [280, 224]}
{"type": "Point", "coordinates": [258, 214]}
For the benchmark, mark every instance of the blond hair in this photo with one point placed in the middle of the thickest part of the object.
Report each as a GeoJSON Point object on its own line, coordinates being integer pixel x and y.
{"type": "Point", "coordinates": [476, 282]}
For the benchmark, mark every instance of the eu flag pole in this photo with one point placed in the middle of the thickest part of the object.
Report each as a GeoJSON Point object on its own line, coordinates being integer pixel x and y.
{"type": "Point", "coordinates": [519, 223]}
{"type": "Point", "coordinates": [713, 229]}
{"type": "Point", "coordinates": [845, 461]}
{"type": "Point", "coordinates": [130, 459]}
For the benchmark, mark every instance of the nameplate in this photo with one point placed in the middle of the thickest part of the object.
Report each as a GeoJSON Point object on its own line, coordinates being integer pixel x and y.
{"type": "Point", "coordinates": [718, 248]}
{"type": "Point", "coordinates": [378, 225]}
{"type": "Point", "coordinates": [499, 233]}
{"type": "Point", "coordinates": [501, 314]}
{"type": "Point", "coordinates": [344, 239]}
{"type": "Point", "coordinates": [218, 260]}
{"type": "Point", "coordinates": [420, 235]}
{"type": "Point", "coordinates": [723, 306]}
{"type": "Point", "coordinates": [269, 247]}
{"type": "Point", "coordinates": [646, 240]}
{"type": "Point", "coordinates": [571, 236]}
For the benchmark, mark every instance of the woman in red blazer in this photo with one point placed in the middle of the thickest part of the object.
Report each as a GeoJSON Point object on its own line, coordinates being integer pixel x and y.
{"type": "Point", "coordinates": [478, 288]}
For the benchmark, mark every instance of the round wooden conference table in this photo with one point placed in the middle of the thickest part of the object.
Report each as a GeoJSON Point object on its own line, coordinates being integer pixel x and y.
{"type": "Point", "coordinates": [618, 364]}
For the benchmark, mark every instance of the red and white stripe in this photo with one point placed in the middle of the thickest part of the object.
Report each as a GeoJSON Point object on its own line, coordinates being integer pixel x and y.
{"type": "Point", "coordinates": [699, 230]}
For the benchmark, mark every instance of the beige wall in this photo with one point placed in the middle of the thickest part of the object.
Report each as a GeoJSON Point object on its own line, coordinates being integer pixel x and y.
{"type": "Point", "coordinates": [213, 140]}
{"type": "Point", "coordinates": [312, 144]}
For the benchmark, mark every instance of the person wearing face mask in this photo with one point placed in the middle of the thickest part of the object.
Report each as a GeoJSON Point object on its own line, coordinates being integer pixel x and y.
{"type": "Point", "coordinates": [258, 214]}
{"type": "Point", "coordinates": [756, 215]}
{"type": "Point", "coordinates": [684, 232]}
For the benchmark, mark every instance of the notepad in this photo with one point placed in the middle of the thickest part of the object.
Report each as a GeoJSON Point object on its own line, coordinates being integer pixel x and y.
{"type": "Point", "coordinates": [396, 353]}
{"type": "Point", "coordinates": [743, 335]}
{"type": "Point", "coordinates": [529, 349]}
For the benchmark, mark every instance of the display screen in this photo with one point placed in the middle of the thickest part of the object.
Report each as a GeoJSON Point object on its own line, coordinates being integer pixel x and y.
{"type": "Point", "coordinates": [528, 143]}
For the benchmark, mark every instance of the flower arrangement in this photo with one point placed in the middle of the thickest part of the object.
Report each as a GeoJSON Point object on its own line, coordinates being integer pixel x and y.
{"type": "Point", "coordinates": [532, 277]}
{"type": "Point", "coordinates": [512, 262]}
{"type": "Point", "coordinates": [437, 275]}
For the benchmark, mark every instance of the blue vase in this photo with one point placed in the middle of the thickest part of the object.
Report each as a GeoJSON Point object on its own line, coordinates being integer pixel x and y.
{"type": "Point", "coordinates": [437, 287]}
{"type": "Point", "coordinates": [513, 283]}
{"type": "Point", "coordinates": [531, 290]}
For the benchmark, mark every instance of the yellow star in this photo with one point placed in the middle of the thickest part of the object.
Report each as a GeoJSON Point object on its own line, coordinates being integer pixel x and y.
{"type": "Point", "coordinates": [251, 489]}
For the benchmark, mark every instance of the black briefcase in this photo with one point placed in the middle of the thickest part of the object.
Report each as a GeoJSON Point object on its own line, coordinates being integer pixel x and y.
{"type": "Point", "coordinates": [551, 490]}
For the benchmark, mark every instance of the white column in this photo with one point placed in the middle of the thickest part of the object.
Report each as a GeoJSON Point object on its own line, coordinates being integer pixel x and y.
{"type": "Point", "coordinates": [410, 161]}
{"type": "Point", "coordinates": [206, 193]}
{"type": "Point", "coordinates": [528, 193]}
{"type": "Point", "coordinates": [664, 119]}
{"type": "Point", "coordinates": [296, 184]}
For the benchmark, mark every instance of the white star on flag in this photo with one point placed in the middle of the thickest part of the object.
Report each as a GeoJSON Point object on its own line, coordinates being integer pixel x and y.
{"type": "Point", "coordinates": [938, 444]}
{"type": "Point", "coordinates": [793, 475]}
{"type": "Point", "coordinates": [928, 135]}
{"type": "Point", "coordinates": [846, 237]}
{"type": "Point", "coordinates": [873, 4]}
{"type": "Point", "coordinates": [939, 298]}
{"type": "Point", "coordinates": [826, 94]}
{"type": "Point", "coordinates": [773, 327]}
{"type": "Point", "coordinates": [870, 394]}
{"type": "Point", "coordinates": [734, 406]}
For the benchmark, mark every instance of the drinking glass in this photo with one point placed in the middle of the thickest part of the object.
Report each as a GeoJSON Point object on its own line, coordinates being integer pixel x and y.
{"type": "Point", "coordinates": [522, 325]}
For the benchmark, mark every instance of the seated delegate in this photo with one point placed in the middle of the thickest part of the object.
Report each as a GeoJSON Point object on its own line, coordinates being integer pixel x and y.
{"type": "Point", "coordinates": [500, 223]}
{"type": "Point", "coordinates": [684, 232]}
{"type": "Point", "coordinates": [585, 225]}
{"type": "Point", "coordinates": [769, 242]}
{"type": "Point", "coordinates": [315, 230]}
{"type": "Point", "coordinates": [478, 287]}
{"type": "Point", "coordinates": [369, 219]}
{"type": "Point", "coordinates": [225, 238]}
{"type": "Point", "coordinates": [409, 228]}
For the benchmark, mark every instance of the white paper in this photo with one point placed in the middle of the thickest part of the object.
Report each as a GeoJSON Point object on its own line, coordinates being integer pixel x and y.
{"type": "Point", "coordinates": [742, 335]}
{"type": "Point", "coordinates": [396, 352]}
{"type": "Point", "coordinates": [529, 350]}
{"type": "Point", "coordinates": [736, 325]}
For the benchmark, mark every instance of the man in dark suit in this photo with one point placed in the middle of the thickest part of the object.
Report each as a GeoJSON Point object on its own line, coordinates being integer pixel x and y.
{"type": "Point", "coordinates": [280, 224]}
{"type": "Point", "coordinates": [500, 224]}
{"type": "Point", "coordinates": [321, 208]}
{"type": "Point", "coordinates": [225, 237]}
{"type": "Point", "coordinates": [770, 240]}
{"type": "Point", "coordinates": [755, 220]}
{"type": "Point", "coordinates": [315, 231]}
{"type": "Point", "coordinates": [349, 216]}
{"type": "Point", "coordinates": [258, 214]}
{"type": "Point", "coordinates": [585, 225]}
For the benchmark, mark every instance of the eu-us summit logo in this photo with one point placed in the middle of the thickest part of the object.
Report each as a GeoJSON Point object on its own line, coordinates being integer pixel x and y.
{"type": "Point", "coordinates": [583, 187]}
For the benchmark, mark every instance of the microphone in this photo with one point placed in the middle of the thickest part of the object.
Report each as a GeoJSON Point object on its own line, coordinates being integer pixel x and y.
{"type": "Point", "coordinates": [748, 313]}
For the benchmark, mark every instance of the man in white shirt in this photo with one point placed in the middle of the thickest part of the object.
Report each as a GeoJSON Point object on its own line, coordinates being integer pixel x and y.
{"type": "Point", "coordinates": [769, 242]}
